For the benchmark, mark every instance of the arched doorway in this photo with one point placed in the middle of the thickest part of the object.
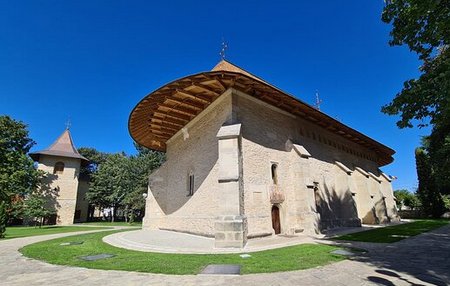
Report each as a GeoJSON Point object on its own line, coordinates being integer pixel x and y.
{"type": "Point", "coordinates": [276, 219]}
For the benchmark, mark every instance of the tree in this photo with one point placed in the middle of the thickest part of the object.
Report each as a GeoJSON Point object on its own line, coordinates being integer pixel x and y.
{"type": "Point", "coordinates": [36, 208]}
{"type": "Point", "coordinates": [95, 158]}
{"type": "Point", "coordinates": [110, 183]}
{"type": "Point", "coordinates": [406, 198]}
{"type": "Point", "coordinates": [140, 167]}
{"type": "Point", "coordinates": [412, 201]}
{"type": "Point", "coordinates": [424, 27]}
{"type": "Point", "coordinates": [17, 172]}
{"type": "Point", "coordinates": [119, 181]}
{"type": "Point", "coordinates": [438, 148]}
{"type": "Point", "coordinates": [38, 204]}
{"type": "Point", "coordinates": [428, 193]}
{"type": "Point", "coordinates": [3, 219]}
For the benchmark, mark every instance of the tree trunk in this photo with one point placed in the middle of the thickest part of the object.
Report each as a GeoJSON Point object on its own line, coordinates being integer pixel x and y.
{"type": "Point", "coordinates": [113, 215]}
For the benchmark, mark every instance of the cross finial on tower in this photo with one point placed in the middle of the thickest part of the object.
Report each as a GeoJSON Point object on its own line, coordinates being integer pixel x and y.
{"type": "Point", "coordinates": [68, 124]}
{"type": "Point", "coordinates": [224, 48]}
{"type": "Point", "coordinates": [318, 101]}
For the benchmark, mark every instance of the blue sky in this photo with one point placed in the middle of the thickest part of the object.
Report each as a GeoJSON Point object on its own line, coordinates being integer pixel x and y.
{"type": "Point", "coordinates": [92, 61]}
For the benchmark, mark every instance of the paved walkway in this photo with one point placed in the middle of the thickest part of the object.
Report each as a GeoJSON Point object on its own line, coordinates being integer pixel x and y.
{"type": "Point", "coordinates": [421, 260]}
{"type": "Point", "coordinates": [175, 242]}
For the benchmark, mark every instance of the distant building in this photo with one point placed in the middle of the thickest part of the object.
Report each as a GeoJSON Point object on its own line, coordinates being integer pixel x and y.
{"type": "Point", "coordinates": [62, 162]}
{"type": "Point", "coordinates": [245, 159]}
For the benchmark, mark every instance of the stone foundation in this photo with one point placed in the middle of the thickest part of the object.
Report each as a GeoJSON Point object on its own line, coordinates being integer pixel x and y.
{"type": "Point", "coordinates": [230, 231]}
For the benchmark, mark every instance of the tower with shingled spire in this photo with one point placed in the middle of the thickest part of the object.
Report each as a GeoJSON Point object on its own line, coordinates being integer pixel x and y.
{"type": "Point", "coordinates": [62, 163]}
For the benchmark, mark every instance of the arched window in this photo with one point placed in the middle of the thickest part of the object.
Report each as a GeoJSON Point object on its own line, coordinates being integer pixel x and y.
{"type": "Point", "coordinates": [59, 168]}
{"type": "Point", "coordinates": [273, 169]}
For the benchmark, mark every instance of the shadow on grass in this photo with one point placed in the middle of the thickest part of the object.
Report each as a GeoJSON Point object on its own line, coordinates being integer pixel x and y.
{"type": "Point", "coordinates": [426, 257]}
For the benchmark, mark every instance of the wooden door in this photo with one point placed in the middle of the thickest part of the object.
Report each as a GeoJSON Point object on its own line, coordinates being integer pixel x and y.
{"type": "Point", "coordinates": [276, 220]}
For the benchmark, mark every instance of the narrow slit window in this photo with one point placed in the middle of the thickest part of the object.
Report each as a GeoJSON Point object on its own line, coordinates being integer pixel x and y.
{"type": "Point", "coordinates": [274, 168]}
{"type": "Point", "coordinates": [191, 185]}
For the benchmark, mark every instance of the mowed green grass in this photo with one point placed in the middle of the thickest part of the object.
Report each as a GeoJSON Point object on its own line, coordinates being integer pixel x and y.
{"type": "Point", "coordinates": [394, 233]}
{"type": "Point", "coordinates": [283, 259]}
{"type": "Point", "coordinates": [24, 231]}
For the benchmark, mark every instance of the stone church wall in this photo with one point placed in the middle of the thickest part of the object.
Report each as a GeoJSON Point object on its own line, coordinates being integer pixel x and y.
{"type": "Point", "coordinates": [193, 151]}
{"type": "Point", "coordinates": [318, 193]}
{"type": "Point", "coordinates": [314, 191]}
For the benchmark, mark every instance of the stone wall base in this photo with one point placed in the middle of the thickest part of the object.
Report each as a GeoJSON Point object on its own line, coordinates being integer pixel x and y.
{"type": "Point", "coordinates": [334, 223]}
{"type": "Point", "coordinates": [230, 231]}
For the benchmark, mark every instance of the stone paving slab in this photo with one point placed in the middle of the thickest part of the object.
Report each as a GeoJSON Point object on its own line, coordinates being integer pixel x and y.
{"type": "Point", "coordinates": [222, 269]}
{"type": "Point", "coordinates": [420, 260]}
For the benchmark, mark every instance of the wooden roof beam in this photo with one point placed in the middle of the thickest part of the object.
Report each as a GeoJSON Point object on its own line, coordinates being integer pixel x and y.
{"type": "Point", "coordinates": [162, 133]}
{"type": "Point", "coordinates": [177, 116]}
{"type": "Point", "coordinates": [222, 85]}
{"type": "Point", "coordinates": [206, 88]}
{"type": "Point", "coordinates": [164, 125]}
{"type": "Point", "coordinates": [189, 104]}
{"type": "Point", "coordinates": [163, 130]}
{"type": "Point", "coordinates": [174, 127]}
{"type": "Point", "coordinates": [197, 97]}
{"type": "Point", "coordinates": [180, 109]}
{"type": "Point", "coordinates": [177, 121]}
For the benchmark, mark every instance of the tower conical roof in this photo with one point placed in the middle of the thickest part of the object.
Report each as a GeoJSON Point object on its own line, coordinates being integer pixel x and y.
{"type": "Point", "coordinates": [62, 147]}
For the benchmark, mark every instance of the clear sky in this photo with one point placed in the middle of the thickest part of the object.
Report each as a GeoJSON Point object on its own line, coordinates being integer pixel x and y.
{"type": "Point", "coordinates": [94, 60]}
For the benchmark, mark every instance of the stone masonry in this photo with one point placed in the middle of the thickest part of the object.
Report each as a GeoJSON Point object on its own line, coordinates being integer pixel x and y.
{"type": "Point", "coordinates": [231, 148]}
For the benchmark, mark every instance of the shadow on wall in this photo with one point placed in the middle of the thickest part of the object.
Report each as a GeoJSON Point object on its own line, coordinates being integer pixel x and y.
{"type": "Point", "coordinates": [378, 213]}
{"type": "Point", "coordinates": [336, 210]}
{"type": "Point", "coordinates": [51, 197]}
{"type": "Point", "coordinates": [172, 199]}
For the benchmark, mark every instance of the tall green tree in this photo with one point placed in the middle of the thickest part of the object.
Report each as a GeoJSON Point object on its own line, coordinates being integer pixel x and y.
{"type": "Point", "coordinates": [95, 158]}
{"type": "Point", "coordinates": [17, 172]}
{"type": "Point", "coordinates": [140, 167]}
{"type": "Point", "coordinates": [110, 183]}
{"type": "Point", "coordinates": [422, 25]}
{"type": "Point", "coordinates": [428, 193]}
{"type": "Point", "coordinates": [438, 148]}
{"type": "Point", "coordinates": [3, 219]}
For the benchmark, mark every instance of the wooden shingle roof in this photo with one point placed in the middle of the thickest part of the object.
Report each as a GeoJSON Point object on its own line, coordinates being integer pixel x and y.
{"type": "Point", "coordinates": [162, 113]}
{"type": "Point", "coordinates": [62, 147]}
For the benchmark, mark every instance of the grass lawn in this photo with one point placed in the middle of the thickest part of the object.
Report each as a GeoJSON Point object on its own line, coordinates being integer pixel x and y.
{"type": "Point", "coordinates": [394, 233]}
{"type": "Point", "coordinates": [282, 259]}
{"type": "Point", "coordinates": [107, 223]}
{"type": "Point", "coordinates": [23, 231]}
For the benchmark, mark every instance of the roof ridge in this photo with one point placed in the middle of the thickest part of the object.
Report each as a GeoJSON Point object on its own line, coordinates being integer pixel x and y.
{"type": "Point", "coordinates": [225, 65]}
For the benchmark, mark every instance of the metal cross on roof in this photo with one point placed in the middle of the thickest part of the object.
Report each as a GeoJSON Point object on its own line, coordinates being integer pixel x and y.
{"type": "Point", "coordinates": [68, 124]}
{"type": "Point", "coordinates": [318, 101]}
{"type": "Point", "coordinates": [224, 48]}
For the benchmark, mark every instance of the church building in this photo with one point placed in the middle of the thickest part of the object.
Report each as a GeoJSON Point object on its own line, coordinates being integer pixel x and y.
{"type": "Point", "coordinates": [62, 163]}
{"type": "Point", "coordinates": [246, 160]}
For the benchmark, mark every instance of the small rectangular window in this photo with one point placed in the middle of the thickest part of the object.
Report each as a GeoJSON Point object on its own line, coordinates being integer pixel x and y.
{"type": "Point", "coordinates": [191, 185]}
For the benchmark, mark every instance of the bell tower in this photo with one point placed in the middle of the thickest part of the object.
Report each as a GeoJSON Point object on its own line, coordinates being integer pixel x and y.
{"type": "Point", "coordinates": [62, 162]}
